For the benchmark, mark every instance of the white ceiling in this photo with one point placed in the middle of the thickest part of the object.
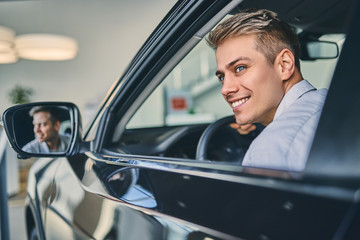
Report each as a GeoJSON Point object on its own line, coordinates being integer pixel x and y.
{"type": "Point", "coordinates": [109, 33]}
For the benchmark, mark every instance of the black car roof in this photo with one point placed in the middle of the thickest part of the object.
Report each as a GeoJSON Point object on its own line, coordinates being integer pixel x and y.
{"type": "Point", "coordinates": [320, 16]}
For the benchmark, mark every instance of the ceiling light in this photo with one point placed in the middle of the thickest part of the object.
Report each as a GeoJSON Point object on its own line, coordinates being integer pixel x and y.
{"type": "Point", "coordinates": [7, 36]}
{"type": "Point", "coordinates": [8, 57]}
{"type": "Point", "coordinates": [7, 52]}
{"type": "Point", "coordinates": [46, 47]}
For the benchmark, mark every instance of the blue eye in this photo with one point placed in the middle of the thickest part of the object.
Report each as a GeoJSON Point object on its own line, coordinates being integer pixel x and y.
{"type": "Point", "coordinates": [221, 78]}
{"type": "Point", "coordinates": [239, 68]}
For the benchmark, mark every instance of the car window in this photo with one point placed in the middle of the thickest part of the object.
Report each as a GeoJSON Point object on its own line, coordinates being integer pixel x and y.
{"type": "Point", "coordinates": [169, 123]}
{"type": "Point", "coordinates": [190, 94]}
{"type": "Point", "coordinates": [310, 69]}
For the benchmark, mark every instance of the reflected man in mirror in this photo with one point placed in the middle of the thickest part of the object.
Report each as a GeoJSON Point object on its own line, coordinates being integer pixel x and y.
{"type": "Point", "coordinates": [258, 66]}
{"type": "Point", "coordinates": [46, 121]}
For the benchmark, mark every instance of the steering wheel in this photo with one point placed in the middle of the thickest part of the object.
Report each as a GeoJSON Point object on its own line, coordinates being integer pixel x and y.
{"type": "Point", "coordinates": [220, 142]}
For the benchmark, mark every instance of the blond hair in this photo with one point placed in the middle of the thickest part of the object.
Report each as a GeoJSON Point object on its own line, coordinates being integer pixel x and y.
{"type": "Point", "coordinates": [273, 35]}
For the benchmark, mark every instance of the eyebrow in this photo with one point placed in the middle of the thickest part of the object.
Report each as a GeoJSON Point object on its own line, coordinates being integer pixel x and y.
{"type": "Point", "coordinates": [39, 122]}
{"type": "Point", "coordinates": [232, 63]}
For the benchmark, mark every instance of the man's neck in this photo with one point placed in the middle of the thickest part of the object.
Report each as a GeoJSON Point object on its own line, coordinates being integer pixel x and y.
{"type": "Point", "coordinates": [53, 144]}
{"type": "Point", "coordinates": [294, 79]}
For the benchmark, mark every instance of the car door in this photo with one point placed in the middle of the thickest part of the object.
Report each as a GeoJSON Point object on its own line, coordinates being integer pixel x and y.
{"type": "Point", "coordinates": [205, 198]}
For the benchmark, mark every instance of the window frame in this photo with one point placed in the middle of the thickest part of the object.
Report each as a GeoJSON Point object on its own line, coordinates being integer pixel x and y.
{"type": "Point", "coordinates": [123, 111]}
{"type": "Point", "coordinates": [177, 34]}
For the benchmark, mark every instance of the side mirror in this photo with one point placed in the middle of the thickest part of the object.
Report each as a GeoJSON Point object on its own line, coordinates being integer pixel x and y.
{"type": "Point", "coordinates": [44, 129]}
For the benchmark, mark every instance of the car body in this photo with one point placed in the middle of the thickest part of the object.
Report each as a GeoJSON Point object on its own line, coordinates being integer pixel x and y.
{"type": "Point", "coordinates": [134, 172]}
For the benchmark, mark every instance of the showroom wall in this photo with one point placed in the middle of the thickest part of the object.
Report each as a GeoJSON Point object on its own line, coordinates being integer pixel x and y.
{"type": "Point", "coordinates": [108, 32]}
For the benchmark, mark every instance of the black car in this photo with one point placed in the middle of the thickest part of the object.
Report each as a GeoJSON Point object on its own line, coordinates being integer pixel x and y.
{"type": "Point", "coordinates": [159, 160]}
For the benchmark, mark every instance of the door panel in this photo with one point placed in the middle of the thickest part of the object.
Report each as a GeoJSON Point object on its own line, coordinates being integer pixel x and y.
{"type": "Point", "coordinates": [85, 207]}
{"type": "Point", "coordinates": [246, 210]}
{"type": "Point", "coordinates": [246, 206]}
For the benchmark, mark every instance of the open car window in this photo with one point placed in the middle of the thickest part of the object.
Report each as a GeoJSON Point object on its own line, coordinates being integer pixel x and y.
{"type": "Point", "coordinates": [170, 122]}
{"type": "Point", "coordinates": [310, 69]}
{"type": "Point", "coordinates": [190, 94]}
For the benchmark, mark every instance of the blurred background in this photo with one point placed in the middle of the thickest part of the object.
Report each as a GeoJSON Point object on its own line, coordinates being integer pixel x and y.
{"type": "Point", "coordinates": [107, 34]}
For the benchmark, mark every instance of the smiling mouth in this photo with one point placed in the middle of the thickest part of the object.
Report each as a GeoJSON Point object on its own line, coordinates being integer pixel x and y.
{"type": "Point", "coordinates": [40, 136]}
{"type": "Point", "coordinates": [240, 102]}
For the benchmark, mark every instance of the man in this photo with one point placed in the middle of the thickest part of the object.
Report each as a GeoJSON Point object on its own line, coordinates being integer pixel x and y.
{"type": "Point", "coordinates": [46, 128]}
{"type": "Point", "coordinates": [258, 65]}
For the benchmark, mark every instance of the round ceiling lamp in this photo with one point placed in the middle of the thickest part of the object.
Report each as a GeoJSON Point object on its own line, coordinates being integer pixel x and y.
{"type": "Point", "coordinates": [46, 47]}
{"type": "Point", "coordinates": [7, 36]}
{"type": "Point", "coordinates": [7, 52]}
{"type": "Point", "coordinates": [8, 57]}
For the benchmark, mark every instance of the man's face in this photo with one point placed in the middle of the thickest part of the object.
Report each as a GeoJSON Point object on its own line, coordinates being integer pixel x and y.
{"type": "Point", "coordinates": [251, 84]}
{"type": "Point", "coordinates": [44, 129]}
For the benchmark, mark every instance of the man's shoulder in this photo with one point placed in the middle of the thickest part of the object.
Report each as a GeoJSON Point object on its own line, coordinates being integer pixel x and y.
{"type": "Point", "coordinates": [316, 96]}
{"type": "Point", "coordinates": [305, 107]}
{"type": "Point", "coordinates": [32, 143]}
{"type": "Point", "coordinates": [294, 128]}
{"type": "Point", "coordinates": [65, 138]}
{"type": "Point", "coordinates": [303, 113]}
{"type": "Point", "coordinates": [32, 146]}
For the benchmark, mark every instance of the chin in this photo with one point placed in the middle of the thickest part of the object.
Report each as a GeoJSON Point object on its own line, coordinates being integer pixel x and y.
{"type": "Point", "coordinates": [242, 120]}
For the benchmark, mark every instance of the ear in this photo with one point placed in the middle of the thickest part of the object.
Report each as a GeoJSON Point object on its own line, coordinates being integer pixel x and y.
{"type": "Point", "coordinates": [286, 64]}
{"type": "Point", "coordinates": [57, 125]}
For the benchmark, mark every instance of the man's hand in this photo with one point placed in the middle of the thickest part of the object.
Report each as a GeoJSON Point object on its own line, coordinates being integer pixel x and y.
{"type": "Point", "coordinates": [243, 129]}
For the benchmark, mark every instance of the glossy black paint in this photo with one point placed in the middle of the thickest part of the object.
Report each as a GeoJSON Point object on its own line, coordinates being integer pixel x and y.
{"type": "Point", "coordinates": [243, 207]}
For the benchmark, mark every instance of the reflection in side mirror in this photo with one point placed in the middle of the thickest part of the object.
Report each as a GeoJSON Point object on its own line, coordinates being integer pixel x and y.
{"type": "Point", "coordinates": [42, 129]}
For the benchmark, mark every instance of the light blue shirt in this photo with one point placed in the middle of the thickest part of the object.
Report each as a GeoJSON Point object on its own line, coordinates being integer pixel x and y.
{"type": "Point", "coordinates": [285, 143]}
{"type": "Point", "coordinates": [41, 147]}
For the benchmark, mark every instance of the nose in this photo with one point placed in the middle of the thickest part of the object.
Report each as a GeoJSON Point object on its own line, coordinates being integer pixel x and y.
{"type": "Point", "coordinates": [229, 86]}
{"type": "Point", "coordinates": [36, 128]}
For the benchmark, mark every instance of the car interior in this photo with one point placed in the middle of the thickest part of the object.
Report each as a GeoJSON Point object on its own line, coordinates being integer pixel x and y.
{"type": "Point", "coordinates": [174, 117]}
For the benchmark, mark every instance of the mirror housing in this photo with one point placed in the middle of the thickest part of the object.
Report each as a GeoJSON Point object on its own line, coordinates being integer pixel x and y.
{"type": "Point", "coordinates": [43, 129]}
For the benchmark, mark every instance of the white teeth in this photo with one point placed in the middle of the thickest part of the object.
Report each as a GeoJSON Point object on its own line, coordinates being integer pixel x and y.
{"type": "Point", "coordinates": [237, 103]}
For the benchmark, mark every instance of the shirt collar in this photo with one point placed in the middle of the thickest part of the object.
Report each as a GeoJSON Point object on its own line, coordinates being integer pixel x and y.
{"type": "Point", "coordinates": [44, 147]}
{"type": "Point", "coordinates": [294, 93]}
